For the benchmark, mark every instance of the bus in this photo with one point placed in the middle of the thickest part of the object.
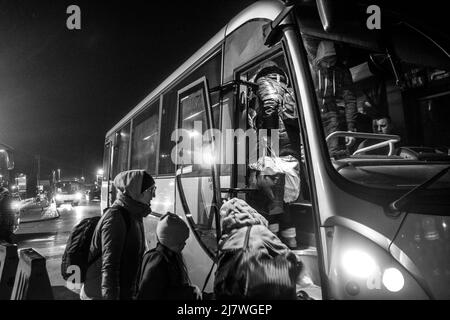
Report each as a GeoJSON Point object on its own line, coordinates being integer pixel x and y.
{"type": "Point", "coordinates": [371, 221]}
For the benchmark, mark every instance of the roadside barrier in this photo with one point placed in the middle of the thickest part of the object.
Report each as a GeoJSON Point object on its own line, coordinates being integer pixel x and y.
{"type": "Point", "coordinates": [31, 281]}
{"type": "Point", "coordinates": [8, 267]}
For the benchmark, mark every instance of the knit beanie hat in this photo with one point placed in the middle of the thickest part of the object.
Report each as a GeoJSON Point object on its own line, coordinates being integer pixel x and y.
{"type": "Point", "coordinates": [147, 181]}
{"type": "Point", "coordinates": [172, 231]}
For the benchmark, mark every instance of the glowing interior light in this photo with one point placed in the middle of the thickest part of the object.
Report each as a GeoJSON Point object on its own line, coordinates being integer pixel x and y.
{"type": "Point", "coordinates": [358, 263]}
{"type": "Point", "coordinates": [393, 280]}
{"type": "Point", "coordinates": [167, 204]}
{"type": "Point", "coordinates": [194, 133]}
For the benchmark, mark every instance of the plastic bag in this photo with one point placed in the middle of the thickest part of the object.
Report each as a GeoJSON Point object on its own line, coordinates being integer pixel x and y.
{"type": "Point", "coordinates": [287, 165]}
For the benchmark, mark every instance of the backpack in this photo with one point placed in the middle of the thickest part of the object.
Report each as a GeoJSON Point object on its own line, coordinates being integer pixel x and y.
{"type": "Point", "coordinates": [249, 273]}
{"type": "Point", "coordinates": [79, 244]}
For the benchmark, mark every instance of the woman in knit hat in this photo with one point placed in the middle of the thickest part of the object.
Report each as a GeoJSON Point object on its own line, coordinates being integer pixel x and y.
{"type": "Point", "coordinates": [118, 242]}
{"type": "Point", "coordinates": [163, 274]}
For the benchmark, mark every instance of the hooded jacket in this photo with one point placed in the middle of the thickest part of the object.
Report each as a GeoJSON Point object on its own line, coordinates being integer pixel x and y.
{"type": "Point", "coordinates": [118, 243]}
{"type": "Point", "coordinates": [265, 248]}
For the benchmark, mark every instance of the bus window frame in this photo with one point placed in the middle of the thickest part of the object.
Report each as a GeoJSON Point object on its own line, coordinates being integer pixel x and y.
{"type": "Point", "coordinates": [154, 103]}
{"type": "Point", "coordinates": [208, 56]}
{"type": "Point", "coordinates": [116, 148]}
{"type": "Point", "coordinates": [213, 171]}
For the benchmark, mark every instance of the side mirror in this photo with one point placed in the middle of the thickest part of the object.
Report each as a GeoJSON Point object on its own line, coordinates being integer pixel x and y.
{"type": "Point", "coordinates": [10, 161]}
{"type": "Point", "coordinates": [8, 158]}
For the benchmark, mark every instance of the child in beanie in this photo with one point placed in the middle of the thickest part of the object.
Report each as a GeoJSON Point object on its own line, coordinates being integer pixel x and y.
{"type": "Point", "coordinates": [164, 275]}
{"type": "Point", "coordinates": [172, 232]}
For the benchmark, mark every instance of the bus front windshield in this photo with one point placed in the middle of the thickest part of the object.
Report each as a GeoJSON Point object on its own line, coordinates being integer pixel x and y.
{"type": "Point", "coordinates": [385, 113]}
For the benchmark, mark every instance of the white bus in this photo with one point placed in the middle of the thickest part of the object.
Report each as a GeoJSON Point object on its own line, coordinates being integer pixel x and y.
{"type": "Point", "coordinates": [371, 221]}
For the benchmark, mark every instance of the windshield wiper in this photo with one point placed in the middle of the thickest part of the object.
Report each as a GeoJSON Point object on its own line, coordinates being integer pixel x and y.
{"type": "Point", "coordinates": [398, 205]}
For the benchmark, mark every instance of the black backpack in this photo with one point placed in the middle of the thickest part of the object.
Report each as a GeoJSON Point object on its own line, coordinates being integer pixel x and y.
{"type": "Point", "coordinates": [79, 243]}
{"type": "Point", "coordinates": [245, 273]}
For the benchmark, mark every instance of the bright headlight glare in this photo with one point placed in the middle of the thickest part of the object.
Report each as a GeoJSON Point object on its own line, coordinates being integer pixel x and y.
{"type": "Point", "coordinates": [15, 205]}
{"type": "Point", "coordinates": [79, 195]}
{"type": "Point", "coordinates": [358, 263]}
{"type": "Point", "coordinates": [393, 279]}
{"type": "Point", "coordinates": [58, 197]}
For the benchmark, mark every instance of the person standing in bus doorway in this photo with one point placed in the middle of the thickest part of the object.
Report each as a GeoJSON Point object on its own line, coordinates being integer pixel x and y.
{"type": "Point", "coordinates": [275, 108]}
{"type": "Point", "coordinates": [163, 274]}
{"type": "Point", "coordinates": [334, 88]}
{"type": "Point", "coordinates": [118, 243]}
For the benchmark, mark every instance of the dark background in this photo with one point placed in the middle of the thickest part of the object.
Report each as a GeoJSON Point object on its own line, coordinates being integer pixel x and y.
{"type": "Point", "coordinates": [62, 90]}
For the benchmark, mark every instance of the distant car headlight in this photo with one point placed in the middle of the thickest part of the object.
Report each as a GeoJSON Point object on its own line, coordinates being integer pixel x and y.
{"type": "Point", "coordinates": [15, 205]}
{"type": "Point", "coordinates": [58, 197]}
{"type": "Point", "coordinates": [78, 195]}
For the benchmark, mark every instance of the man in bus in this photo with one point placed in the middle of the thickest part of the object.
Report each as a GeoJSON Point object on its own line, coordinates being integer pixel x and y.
{"type": "Point", "coordinates": [334, 89]}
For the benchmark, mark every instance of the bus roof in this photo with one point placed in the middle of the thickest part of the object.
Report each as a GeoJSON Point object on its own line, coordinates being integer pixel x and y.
{"type": "Point", "coordinates": [268, 9]}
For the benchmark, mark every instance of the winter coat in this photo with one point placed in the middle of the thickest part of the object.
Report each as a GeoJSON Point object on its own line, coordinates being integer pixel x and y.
{"type": "Point", "coordinates": [118, 243]}
{"type": "Point", "coordinates": [275, 108]}
{"type": "Point", "coordinates": [162, 277]}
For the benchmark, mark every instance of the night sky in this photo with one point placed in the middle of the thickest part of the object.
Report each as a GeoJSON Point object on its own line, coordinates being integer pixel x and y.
{"type": "Point", "coordinates": [61, 90]}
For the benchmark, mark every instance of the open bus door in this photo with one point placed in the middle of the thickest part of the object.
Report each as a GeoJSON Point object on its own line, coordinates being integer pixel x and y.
{"type": "Point", "coordinates": [197, 180]}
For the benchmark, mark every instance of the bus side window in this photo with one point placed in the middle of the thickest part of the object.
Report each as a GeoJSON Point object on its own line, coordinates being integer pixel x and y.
{"type": "Point", "coordinates": [145, 139]}
{"type": "Point", "coordinates": [121, 152]}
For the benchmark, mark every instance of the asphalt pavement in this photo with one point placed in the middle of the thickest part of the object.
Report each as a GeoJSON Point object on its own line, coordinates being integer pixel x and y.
{"type": "Point", "coordinates": [49, 236]}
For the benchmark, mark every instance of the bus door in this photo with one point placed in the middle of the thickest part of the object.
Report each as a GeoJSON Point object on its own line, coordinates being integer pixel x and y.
{"type": "Point", "coordinates": [290, 219]}
{"type": "Point", "coordinates": [197, 183]}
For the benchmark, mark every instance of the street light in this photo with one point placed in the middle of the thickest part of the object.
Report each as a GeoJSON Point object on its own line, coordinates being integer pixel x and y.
{"type": "Point", "coordinates": [99, 175]}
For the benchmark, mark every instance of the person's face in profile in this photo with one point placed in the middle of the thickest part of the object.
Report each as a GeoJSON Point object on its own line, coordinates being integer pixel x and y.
{"type": "Point", "coordinates": [383, 126]}
{"type": "Point", "coordinates": [179, 248]}
{"type": "Point", "coordinates": [147, 196]}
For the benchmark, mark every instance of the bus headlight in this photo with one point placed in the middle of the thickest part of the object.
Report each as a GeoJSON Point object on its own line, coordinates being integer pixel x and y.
{"type": "Point", "coordinates": [58, 197]}
{"type": "Point", "coordinates": [393, 279]}
{"type": "Point", "coordinates": [358, 263]}
{"type": "Point", "coordinates": [78, 195]}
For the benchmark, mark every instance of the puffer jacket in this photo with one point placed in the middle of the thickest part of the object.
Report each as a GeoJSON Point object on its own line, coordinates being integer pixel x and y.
{"type": "Point", "coordinates": [118, 244]}
{"type": "Point", "coordinates": [276, 109]}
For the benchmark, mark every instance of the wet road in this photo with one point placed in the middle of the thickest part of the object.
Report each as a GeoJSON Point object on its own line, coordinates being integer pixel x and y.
{"type": "Point", "coordinates": [49, 239]}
